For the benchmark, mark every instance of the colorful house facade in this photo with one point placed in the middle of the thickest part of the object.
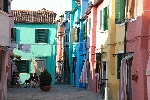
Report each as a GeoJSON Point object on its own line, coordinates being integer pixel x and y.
{"type": "Point", "coordinates": [6, 22]}
{"type": "Point", "coordinates": [137, 42]}
{"type": "Point", "coordinates": [34, 40]}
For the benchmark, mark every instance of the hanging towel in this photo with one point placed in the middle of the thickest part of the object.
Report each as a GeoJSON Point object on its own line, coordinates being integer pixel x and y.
{"type": "Point", "coordinates": [14, 46]}
{"type": "Point", "coordinates": [20, 47]}
{"type": "Point", "coordinates": [26, 48]}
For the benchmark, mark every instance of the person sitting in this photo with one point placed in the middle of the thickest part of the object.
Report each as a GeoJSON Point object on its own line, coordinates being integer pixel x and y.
{"type": "Point", "coordinates": [13, 82]}
{"type": "Point", "coordinates": [18, 81]}
{"type": "Point", "coordinates": [35, 79]}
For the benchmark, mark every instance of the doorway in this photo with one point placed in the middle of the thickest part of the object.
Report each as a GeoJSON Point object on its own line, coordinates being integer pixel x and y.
{"type": "Point", "coordinates": [39, 66]}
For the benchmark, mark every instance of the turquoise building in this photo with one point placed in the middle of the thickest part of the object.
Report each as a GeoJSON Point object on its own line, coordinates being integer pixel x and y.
{"type": "Point", "coordinates": [35, 34]}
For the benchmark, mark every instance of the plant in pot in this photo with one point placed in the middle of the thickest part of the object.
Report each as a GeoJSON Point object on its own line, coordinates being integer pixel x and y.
{"type": "Point", "coordinates": [18, 56]}
{"type": "Point", "coordinates": [12, 56]}
{"type": "Point", "coordinates": [45, 81]}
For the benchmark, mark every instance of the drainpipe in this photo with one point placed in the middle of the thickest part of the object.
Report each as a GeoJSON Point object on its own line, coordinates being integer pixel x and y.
{"type": "Point", "coordinates": [125, 38]}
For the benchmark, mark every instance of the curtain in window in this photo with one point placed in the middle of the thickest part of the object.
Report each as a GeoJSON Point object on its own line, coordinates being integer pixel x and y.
{"type": "Point", "coordinates": [39, 65]}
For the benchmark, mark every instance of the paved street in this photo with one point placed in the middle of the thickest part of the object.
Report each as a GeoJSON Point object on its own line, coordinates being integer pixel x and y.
{"type": "Point", "coordinates": [57, 92]}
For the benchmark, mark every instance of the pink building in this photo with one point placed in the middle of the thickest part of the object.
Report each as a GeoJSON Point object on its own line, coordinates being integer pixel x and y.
{"type": "Point", "coordinates": [91, 13]}
{"type": "Point", "coordinates": [6, 22]}
{"type": "Point", "coordinates": [138, 42]}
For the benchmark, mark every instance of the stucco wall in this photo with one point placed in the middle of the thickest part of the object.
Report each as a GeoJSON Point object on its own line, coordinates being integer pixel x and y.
{"type": "Point", "coordinates": [140, 27]}
{"type": "Point", "coordinates": [26, 35]}
{"type": "Point", "coordinates": [4, 29]}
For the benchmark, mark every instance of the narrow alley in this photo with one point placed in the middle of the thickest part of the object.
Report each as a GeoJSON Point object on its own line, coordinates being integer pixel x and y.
{"type": "Point", "coordinates": [57, 92]}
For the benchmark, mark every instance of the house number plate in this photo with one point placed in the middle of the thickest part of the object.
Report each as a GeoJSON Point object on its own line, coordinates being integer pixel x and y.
{"type": "Point", "coordinates": [147, 72]}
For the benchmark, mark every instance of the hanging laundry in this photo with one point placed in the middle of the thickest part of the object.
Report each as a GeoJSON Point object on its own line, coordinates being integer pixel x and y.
{"type": "Point", "coordinates": [26, 48]}
{"type": "Point", "coordinates": [14, 45]}
{"type": "Point", "coordinates": [20, 47]}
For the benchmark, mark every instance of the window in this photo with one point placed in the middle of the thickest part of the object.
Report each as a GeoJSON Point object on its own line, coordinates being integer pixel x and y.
{"type": "Point", "coordinates": [89, 24]}
{"type": "Point", "coordinates": [119, 11]}
{"type": "Point", "coordinates": [100, 26]}
{"type": "Point", "coordinates": [5, 6]}
{"type": "Point", "coordinates": [84, 32]}
{"type": "Point", "coordinates": [24, 66]}
{"type": "Point", "coordinates": [13, 34]}
{"type": "Point", "coordinates": [77, 34]}
{"type": "Point", "coordinates": [41, 35]}
{"type": "Point", "coordinates": [131, 7]}
{"type": "Point", "coordinates": [119, 58]}
{"type": "Point", "coordinates": [98, 57]}
{"type": "Point", "coordinates": [105, 15]}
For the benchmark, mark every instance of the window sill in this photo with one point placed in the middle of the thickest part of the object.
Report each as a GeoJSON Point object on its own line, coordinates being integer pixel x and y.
{"type": "Point", "coordinates": [39, 43]}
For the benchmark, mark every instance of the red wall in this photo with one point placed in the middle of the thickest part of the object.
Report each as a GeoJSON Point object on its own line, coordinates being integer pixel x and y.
{"type": "Point", "coordinates": [139, 46]}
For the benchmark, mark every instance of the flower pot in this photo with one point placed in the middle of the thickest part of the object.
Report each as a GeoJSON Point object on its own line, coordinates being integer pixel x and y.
{"type": "Point", "coordinates": [45, 88]}
{"type": "Point", "coordinates": [12, 57]}
{"type": "Point", "coordinates": [18, 57]}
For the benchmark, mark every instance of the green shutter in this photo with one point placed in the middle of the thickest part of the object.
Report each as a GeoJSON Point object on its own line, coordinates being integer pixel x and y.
{"type": "Point", "coordinates": [41, 35]}
{"type": "Point", "coordinates": [46, 37]}
{"type": "Point", "coordinates": [117, 12]}
{"type": "Point", "coordinates": [105, 19]}
{"type": "Point", "coordinates": [119, 58]}
{"type": "Point", "coordinates": [98, 57]}
{"type": "Point", "coordinates": [24, 66]}
{"type": "Point", "coordinates": [28, 68]}
{"type": "Point", "coordinates": [36, 35]}
{"type": "Point", "coordinates": [14, 34]}
{"type": "Point", "coordinates": [122, 9]}
{"type": "Point", "coordinates": [84, 32]}
{"type": "Point", "coordinates": [100, 27]}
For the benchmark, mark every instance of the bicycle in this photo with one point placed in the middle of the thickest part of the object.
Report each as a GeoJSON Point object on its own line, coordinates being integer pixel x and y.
{"type": "Point", "coordinates": [102, 86]}
{"type": "Point", "coordinates": [102, 89]}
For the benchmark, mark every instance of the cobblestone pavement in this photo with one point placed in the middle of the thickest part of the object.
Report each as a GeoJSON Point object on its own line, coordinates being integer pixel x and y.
{"type": "Point", "coordinates": [57, 92]}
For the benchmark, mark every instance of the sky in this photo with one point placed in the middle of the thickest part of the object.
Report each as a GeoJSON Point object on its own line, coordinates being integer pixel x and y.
{"type": "Point", "coordinates": [58, 6]}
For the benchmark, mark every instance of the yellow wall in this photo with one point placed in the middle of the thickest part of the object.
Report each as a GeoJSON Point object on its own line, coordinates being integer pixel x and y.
{"type": "Point", "coordinates": [113, 45]}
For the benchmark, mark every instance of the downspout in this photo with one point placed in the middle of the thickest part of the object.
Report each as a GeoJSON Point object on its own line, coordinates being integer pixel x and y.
{"type": "Point", "coordinates": [125, 38]}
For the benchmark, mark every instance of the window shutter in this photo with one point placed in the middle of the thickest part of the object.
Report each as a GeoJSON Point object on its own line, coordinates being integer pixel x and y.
{"type": "Point", "coordinates": [105, 19]}
{"type": "Point", "coordinates": [89, 24]}
{"type": "Point", "coordinates": [77, 34]}
{"type": "Point", "coordinates": [119, 58]}
{"type": "Point", "coordinates": [117, 12]}
{"type": "Point", "coordinates": [46, 35]}
{"type": "Point", "coordinates": [132, 9]}
{"type": "Point", "coordinates": [84, 32]}
{"type": "Point", "coordinates": [24, 67]}
{"type": "Point", "coordinates": [5, 6]}
{"type": "Point", "coordinates": [13, 34]}
{"type": "Point", "coordinates": [36, 35]}
{"type": "Point", "coordinates": [98, 57]}
{"type": "Point", "coordinates": [27, 66]}
{"type": "Point", "coordinates": [122, 9]}
{"type": "Point", "coordinates": [100, 27]}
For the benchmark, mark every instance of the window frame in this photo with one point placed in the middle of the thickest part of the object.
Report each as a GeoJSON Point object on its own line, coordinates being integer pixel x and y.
{"type": "Point", "coordinates": [45, 37]}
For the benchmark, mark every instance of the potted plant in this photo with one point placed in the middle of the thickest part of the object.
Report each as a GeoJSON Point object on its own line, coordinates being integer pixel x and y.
{"type": "Point", "coordinates": [45, 81]}
{"type": "Point", "coordinates": [18, 56]}
{"type": "Point", "coordinates": [12, 56]}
